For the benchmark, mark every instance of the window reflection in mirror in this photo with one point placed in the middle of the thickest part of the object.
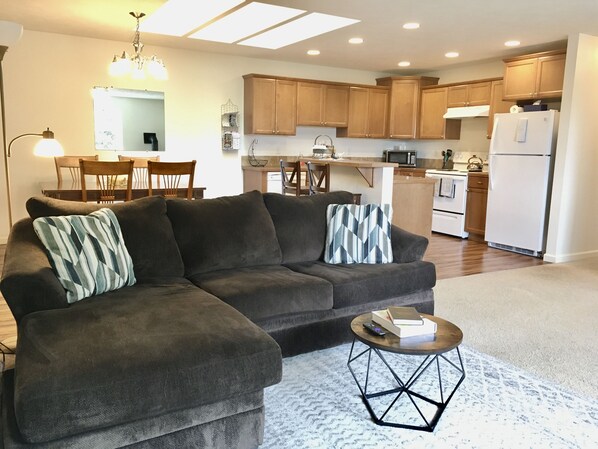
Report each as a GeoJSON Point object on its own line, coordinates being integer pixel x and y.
{"type": "Point", "coordinates": [128, 120]}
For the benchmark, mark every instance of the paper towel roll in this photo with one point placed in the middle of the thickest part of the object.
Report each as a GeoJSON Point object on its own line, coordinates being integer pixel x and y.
{"type": "Point", "coordinates": [516, 109]}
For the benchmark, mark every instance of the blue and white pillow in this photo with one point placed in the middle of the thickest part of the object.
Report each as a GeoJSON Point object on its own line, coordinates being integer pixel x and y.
{"type": "Point", "coordinates": [87, 253]}
{"type": "Point", "coordinates": [358, 234]}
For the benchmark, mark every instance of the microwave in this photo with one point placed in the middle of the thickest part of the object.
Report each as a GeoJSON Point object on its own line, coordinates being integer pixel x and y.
{"type": "Point", "coordinates": [403, 158]}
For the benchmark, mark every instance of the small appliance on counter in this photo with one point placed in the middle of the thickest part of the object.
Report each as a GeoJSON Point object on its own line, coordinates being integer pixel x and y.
{"type": "Point", "coordinates": [475, 163]}
{"type": "Point", "coordinates": [447, 164]}
{"type": "Point", "coordinates": [321, 151]}
{"type": "Point", "coordinates": [401, 157]}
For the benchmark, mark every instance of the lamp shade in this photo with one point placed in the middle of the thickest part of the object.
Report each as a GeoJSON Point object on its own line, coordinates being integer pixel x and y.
{"type": "Point", "coordinates": [10, 33]}
{"type": "Point", "coordinates": [48, 148]}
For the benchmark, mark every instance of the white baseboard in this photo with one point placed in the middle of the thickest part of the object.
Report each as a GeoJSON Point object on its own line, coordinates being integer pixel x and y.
{"type": "Point", "coordinates": [561, 258]}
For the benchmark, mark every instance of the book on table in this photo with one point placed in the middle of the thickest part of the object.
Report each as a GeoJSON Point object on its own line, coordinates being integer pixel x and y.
{"type": "Point", "coordinates": [402, 331]}
{"type": "Point", "coordinates": [405, 315]}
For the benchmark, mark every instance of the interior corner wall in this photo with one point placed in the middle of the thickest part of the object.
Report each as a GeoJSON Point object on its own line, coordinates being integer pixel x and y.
{"type": "Point", "coordinates": [573, 217]}
{"type": "Point", "coordinates": [53, 89]}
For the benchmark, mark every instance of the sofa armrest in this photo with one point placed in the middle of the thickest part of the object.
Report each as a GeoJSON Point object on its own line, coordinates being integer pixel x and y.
{"type": "Point", "coordinates": [407, 247]}
{"type": "Point", "coordinates": [28, 282]}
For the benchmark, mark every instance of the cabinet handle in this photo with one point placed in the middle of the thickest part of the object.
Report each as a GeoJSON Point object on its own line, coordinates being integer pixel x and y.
{"type": "Point", "coordinates": [479, 182]}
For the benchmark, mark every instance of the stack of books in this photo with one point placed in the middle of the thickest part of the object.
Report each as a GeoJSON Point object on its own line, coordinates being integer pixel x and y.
{"type": "Point", "coordinates": [404, 322]}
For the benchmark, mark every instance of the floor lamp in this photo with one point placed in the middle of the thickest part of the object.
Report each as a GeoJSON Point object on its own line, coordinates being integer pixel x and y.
{"type": "Point", "coordinates": [10, 33]}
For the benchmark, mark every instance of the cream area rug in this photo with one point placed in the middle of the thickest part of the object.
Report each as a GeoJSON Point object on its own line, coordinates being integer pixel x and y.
{"type": "Point", "coordinates": [542, 319]}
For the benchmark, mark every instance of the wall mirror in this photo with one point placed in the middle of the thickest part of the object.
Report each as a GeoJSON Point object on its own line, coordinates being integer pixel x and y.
{"type": "Point", "coordinates": [128, 119]}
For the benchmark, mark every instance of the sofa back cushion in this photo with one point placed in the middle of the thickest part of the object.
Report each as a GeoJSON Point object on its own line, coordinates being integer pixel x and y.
{"type": "Point", "coordinates": [146, 230]}
{"type": "Point", "coordinates": [223, 233]}
{"type": "Point", "coordinates": [300, 223]}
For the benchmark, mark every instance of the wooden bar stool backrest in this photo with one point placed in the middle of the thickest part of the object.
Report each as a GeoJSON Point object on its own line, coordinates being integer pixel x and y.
{"type": "Point", "coordinates": [108, 175]}
{"type": "Point", "coordinates": [71, 163]}
{"type": "Point", "coordinates": [318, 176]}
{"type": "Point", "coordinates": [291, 183]}
{"type": "Point", "coordinates": [170, 174]}
{"type": "Point", "coordinates": [139, 168]}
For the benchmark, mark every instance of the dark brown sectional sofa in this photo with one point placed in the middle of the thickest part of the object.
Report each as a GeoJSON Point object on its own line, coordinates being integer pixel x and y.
{"type": "Point", "coordinates": [225, 286]}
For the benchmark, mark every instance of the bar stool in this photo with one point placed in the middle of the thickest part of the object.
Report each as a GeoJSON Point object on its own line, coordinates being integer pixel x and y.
{"type": "Point", "coordinates": [292, 183]}
{"type": "Point", "coordinates": [318, 176]}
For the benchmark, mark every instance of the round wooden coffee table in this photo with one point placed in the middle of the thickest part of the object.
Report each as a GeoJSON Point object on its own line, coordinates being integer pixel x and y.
{"type": "Point", "coordinates": [434, 348]}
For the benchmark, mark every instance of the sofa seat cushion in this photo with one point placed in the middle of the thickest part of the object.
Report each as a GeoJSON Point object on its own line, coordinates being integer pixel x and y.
{"type": "Point", "coordinates": [267, 291]}
{"type": "Point", "coordinates": [222, 233]}
{"type": "Point", "coordinates": [134, 353]}
{"type": "Point", "coordinates": [363, 283]}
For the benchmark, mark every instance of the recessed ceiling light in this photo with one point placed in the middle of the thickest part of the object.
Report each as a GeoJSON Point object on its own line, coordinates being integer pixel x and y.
{"type": "Point", "coordinates": [298, 30]}
{"type": "Point", "coordinates": [452, 54]}
{"type": "Point", "coordinates": [356, 40]}
{"type": "Point", "coordinates": [411, 26]}
{"type": "Point", "coordinates": [178, 17]}
{"type": "Point", "coordinates": [246, 21]}
{"type": "Point", "coordinates": [404, 64]}
{"type": "Point", "coordinates": [512, 43]}
{"type": "Point", "coordinates": [313, 52]}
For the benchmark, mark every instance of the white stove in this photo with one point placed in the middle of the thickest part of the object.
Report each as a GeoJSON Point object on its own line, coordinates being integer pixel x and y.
{"type": "Point", "coordinates": [450, 200]}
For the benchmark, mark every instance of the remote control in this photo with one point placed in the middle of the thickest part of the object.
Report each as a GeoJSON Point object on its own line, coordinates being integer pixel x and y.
{"type": "Point", "coordinates": [374, 329]}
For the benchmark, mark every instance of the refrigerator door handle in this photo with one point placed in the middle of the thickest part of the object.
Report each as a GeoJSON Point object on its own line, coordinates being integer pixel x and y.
{"type": "Point", "coordinates": [494, 131]}
{"type": "Point", "coordinates": [490, 171]}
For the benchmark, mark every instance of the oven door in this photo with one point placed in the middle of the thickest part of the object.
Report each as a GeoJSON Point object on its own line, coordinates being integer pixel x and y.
{"type": "Point", "coordinates": [458, 203]}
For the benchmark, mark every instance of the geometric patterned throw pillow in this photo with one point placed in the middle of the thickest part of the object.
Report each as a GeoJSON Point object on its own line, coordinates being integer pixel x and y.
{"type": "Point", "coordinates": [87, 253]}
{"type": "Point", "coordinates": [358, 234]}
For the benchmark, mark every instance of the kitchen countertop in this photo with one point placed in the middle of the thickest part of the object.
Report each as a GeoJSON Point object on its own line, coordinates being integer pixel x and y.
{"type": "Point", "coordinates": [357, 163]}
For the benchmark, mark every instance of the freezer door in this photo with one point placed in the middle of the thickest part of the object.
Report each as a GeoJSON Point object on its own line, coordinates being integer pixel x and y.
{"type": "Point", "coordinates": [517, 194]}
{"type": "Point", "coordinates": [524, 133]}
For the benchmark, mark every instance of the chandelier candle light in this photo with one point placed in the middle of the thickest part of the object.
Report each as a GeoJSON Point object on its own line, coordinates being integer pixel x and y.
{"type": "Point", "coordinates": [137, 65]}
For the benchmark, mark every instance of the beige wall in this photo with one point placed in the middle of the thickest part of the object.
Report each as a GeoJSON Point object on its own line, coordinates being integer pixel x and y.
{"type": "Point", "coordinates": [573, 224]}
{"type": "Point", "coordinates": [48, 80]}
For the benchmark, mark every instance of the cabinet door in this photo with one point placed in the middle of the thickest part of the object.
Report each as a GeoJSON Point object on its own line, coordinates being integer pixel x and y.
{"type": "Point", "coordinates": [404, 102]}
{"type": "Point", "coordinates": [457, 96]}
{"type": "Point", "coordinates": [286, 107]}
{"type": "Point", "coordinates": [309, 104]}
{"type": "Point", "coordinates": [520, 79]}
{"type": "Point", "coordinates": [479, 94]}
{"type": "Point", "coordinates": [551, 73]}
{"type": "Point", "coordinates": [260, 106]}
{"type": "Point", "coordinates": [433, 107]}
{"type": "Point", "coordinates": [358, 113]}
{"type": "Point", "coordinates": [475, 213]}
{"type": "Point", "coordinates": [377, 113]}
{"type": "Point", "coordinates": [497, 105]}
{"type": "Point", "coordinates": [335, 105]}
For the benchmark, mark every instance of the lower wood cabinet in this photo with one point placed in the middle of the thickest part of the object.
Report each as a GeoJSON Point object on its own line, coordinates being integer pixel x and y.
{"type": "Point", "coordinates": [477, 200]}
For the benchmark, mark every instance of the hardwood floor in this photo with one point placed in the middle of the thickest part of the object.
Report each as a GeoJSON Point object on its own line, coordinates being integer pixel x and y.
{"type": "Point", "coordinates": [452, 256]}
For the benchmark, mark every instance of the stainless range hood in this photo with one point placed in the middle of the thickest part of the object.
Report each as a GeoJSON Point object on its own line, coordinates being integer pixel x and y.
{"type": "Point", "coordinates": [468, 112]}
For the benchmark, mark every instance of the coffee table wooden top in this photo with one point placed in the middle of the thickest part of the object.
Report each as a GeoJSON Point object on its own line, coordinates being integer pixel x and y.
{"type": "Point", "coordinates": [447, 337]}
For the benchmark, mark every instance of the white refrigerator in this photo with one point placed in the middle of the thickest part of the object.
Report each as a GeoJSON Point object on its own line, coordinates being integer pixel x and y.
{"type": "Point", "coordinates": [520, 161]}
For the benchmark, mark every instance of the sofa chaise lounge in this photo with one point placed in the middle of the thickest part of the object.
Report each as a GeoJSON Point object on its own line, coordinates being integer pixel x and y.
{"type": "Point", "coordinates": [224, 287]}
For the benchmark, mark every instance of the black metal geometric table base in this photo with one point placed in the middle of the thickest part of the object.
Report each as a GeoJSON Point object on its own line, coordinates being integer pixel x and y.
{"type": "Point", "coordinates": [406, 387]}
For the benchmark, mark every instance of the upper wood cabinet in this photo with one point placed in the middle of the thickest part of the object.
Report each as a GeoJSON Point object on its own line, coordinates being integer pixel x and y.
{"type": "Point", "coordinates": [368, 113]}
{"type": "Point", "coordinates": [535, 76]}
{"type": "Point", "coordinates": [432, 124]}
{"type": "Point", "coordinates": [322, 104]}
{"type": "Point", "coordinates": [497, 104]}
{"type": "Point", "coordinates": [405, 104]}
{"type": "Point", "coordinates": [471, 94]}
{"type": "Point", "coordinates": [270, 105]}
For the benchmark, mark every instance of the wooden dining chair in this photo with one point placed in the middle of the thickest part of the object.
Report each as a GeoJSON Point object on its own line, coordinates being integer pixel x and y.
{"type": "Point", "coordinates": [291, 183]}
{"type": "Point", "coordinates": [107, 175]}
{"type": "Point", "coordinates": [170, 175]}
{"type": "Point", "coordinates": [71, 163]}
{"type": "Point", "coordinates": [139, 168]}
{"type": "Point", "coordinates": [318, 177]}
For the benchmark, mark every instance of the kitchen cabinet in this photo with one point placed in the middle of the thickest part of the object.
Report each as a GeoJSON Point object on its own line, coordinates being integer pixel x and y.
{"type": "Point", "coordinates": [477, 199]}
{"type": "Point", "coordinates": [404, 105]}
{"type": "Point", "coordinates": [368, 113]}
{"type": "Point", "coordinates": [270, 105]}
{"type": "Point", "coordinates": [322, 104]}
{"type": "Point", "coordinates": [536, 76]}
{"type": "Point", "coordinates": [497, 104]}
{"type": "Point", "coordinates": [470, 94]}
{"type": "Point", "coordinates": [432, 124]}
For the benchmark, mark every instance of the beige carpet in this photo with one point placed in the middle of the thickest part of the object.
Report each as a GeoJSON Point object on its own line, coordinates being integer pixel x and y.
{"type": "Point", "coordinates": [542, 319]}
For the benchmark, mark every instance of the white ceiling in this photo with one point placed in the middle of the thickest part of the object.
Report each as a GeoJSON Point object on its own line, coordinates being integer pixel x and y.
{"type": "Point", "coordinates": [477, 29]}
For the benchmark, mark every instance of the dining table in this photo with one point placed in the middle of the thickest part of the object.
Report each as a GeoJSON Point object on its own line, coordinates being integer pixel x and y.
{"type": "Point", "coordinates": [71, 191]}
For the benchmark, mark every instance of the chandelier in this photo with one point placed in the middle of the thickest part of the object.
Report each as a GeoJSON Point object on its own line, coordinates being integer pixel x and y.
{"type": "Point", "coordinates": [137, 65]}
